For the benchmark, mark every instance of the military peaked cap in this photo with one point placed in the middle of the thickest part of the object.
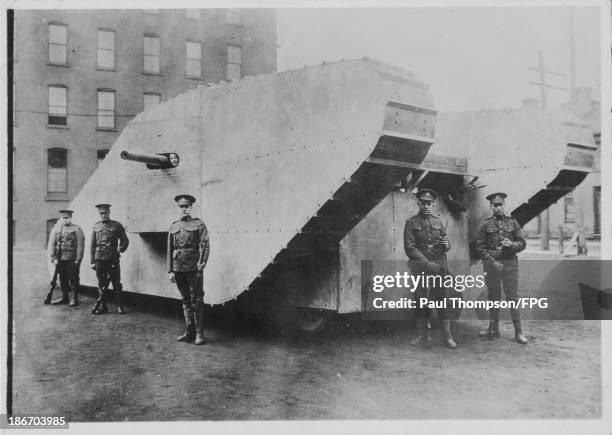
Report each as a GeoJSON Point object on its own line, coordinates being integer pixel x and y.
{"type": "Point", "coordinates": [427, 194]}
{"type": "Point", "coordinates": [184, 199]}
{"type": "Point", "coordinates": [497, 197]}
{"type": "Point", "coordinates": [68, 212]}
{"type": "Point", "coordinates": [103, 206]}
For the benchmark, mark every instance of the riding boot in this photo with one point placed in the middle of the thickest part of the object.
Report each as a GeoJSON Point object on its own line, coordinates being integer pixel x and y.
{"type": "Point", "coordinates": [189, 335]}
{"type": "Point", "coordinates": [73, 297]}
{"type": "Point", "coordinates": [493, 330]}
{"type": "Point", "coordinates": [100, 306]}
{"type": "Point", "coordinates": [199, 323]}
{"type": "Point", "coordinates": [118, 300]}
{"type": "Point", "coordinates": [448, 337]}
{"type": "Point", "coordinates": [63, 299]}
{"type": "Point", "coordinates": [518, 327]}
{"type": "Point", "coordinates": [423, 333]}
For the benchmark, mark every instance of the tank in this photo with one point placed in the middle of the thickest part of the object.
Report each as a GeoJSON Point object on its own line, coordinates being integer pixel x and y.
{"type": "Point", "coordinates": [302, 175]}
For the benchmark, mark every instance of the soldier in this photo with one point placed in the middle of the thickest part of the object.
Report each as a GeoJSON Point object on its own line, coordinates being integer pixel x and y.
{"type": "Point", "coordinates": [108, 241]}
{"type": "Point", "coordinates": [66, 246]}
{"type": "Point", "coordinates": [188, 250]}
{"type": "Point", "coordinates": [426, 243]}
{"type": "Point", "coordinates": [499, 239]}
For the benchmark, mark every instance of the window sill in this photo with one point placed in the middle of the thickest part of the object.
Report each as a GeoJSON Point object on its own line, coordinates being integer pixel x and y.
{"type": "Point", "coordinates": [149, 73]}
{"type": "Point", "coordinates": [106, 129]}
{"type": "Point", "coordinates": [56, 199]}
{"type": "Point", "coordinates": [99, 68]}
{"type": "Point", "coordinates": [63, 65]}
{"type": "Point", "coordinates": [195, 78]}
{"type": "Point", "coordinates": [59, 127]}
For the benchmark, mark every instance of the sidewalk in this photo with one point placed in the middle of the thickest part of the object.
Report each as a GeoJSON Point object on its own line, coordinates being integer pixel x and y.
{"type": "Point", "coordinates": [594, 248]}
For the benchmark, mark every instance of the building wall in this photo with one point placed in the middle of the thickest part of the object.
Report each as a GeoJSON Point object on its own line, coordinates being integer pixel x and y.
{"type": "Point", "coordinates": [256, 34]}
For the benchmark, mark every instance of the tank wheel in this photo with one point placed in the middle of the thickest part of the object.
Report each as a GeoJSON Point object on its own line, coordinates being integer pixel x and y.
{"type": "Point", "coordinates": [309, 320]}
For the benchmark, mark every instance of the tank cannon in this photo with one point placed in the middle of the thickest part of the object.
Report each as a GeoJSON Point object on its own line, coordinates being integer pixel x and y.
{"type": "Point", "coordinates": [153, 161]}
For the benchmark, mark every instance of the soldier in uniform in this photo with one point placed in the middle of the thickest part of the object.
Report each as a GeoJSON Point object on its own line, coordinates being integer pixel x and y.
{"type": "Point", "coordinates": [426, 243]}
{"type": "Point", "coordinates": [66, 246]}
{"type": "Point", "coordinates": [188, 250]}
{"type": "Point", "coordinates": [108, 241]}
{"type": "Point", "coordinates": [499, 239]}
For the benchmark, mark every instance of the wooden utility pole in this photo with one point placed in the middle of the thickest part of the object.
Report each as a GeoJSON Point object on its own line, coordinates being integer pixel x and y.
{"type": "Point", "coordinates": [544, 220]}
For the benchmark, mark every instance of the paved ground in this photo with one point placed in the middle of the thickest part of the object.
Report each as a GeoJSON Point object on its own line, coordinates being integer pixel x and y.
{"type": "Point", "coordinates": [129, 368]}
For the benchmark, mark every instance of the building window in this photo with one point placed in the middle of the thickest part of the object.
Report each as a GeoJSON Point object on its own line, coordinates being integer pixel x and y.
{"type": "Point", "coordinates": [106, 108]}
{"type": "Point", "coordinates": [58, 42]}
{"type": "Point", "coordinates": [192, 14]}
{"type": "Point", "coordinates": [57, 173]}
{"type": "Point", "coordinates": [50, 224]}
{"type": "Point", "coordinates": [58, 104]}
{"type": "Point", "coordinates": [151, 54]}
{"type": "Point", "coordinates": [569, 211]}
{"type": "Point", "coordinates": [150, 99]}
{"type": "Point", "coordinates": [106, 49]}
{"type": "Point", "coordinates": [194, 59]}
{"type": "Point", "coordinates": [101, 154]}
{"type": "Point", "coordinates": [234, 62]}
{"type": "Point", "coordinates": [232, 16]}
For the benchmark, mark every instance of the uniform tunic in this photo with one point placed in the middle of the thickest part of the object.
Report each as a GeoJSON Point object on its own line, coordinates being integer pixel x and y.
{"type": "Point", "coordinates": [185, 239]}
{"type": "Point", "coordinates": [422, 243]}
{"type": "Point", "coordinates": [66, 246]}
{"type": "Point", "coordinates": [108, 239]}
{"type": "Point", "coordinates": [489, 249]}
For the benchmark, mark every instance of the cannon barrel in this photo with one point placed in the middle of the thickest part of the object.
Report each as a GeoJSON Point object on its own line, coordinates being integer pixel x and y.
{"type": "Point", "coordinates": [150, 159]}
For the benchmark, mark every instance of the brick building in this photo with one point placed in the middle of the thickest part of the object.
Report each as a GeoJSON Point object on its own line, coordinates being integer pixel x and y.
{"type": "Point", "coordinates": [81, 75]}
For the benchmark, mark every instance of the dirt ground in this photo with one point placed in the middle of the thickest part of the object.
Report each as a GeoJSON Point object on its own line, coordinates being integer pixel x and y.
{"type": "Point", "coordinates": [129, 368]}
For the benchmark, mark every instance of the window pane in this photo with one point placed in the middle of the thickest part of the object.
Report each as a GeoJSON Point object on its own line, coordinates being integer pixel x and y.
{"type": "Point", "coordinates": [194, 68]}
{"type": "Point", "coordinates": [151, 63]}
{"type": "Point", "coordinates": [106, 109]}
{"type": "Point", "coordinates": [56, 170]}
{"type": "Point", "coordinates": [194, 50]}
{"type": "Point", "coordinates": [151, 100]}
{"type": "Point", "coordinates": [106, 39]}
{"type": "Point", "coordinates": [151, 45]}
{"type": "Point", "coordinates": [106, 58]}
{"type": "Point", "coordinates": [57, 34]}
{"type": "Point", "coordinates": [57, 53]}
{"type": "Point", "coordinates": [57, 101]}
{"type": "Point", "coordinates": [234, 54]}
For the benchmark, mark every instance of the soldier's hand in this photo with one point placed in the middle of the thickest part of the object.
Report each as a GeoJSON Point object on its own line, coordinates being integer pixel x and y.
{"type": "Point", "coordinates": [93, 266]}
{"type": "Point", "coordinates": [171, 277]}
{"type": "Point", "coordinates": [444, 241]}
{"type": "Point", "coordinates": [54, 262]}
{"type": "Point", "coordinates": [77, 262]}
{"type": "Point", "coordinates": [506, 243]}
{"type": "Point", "coordinates": [201, 267]}
{"type": "Point", "coordinates": [498, 266]}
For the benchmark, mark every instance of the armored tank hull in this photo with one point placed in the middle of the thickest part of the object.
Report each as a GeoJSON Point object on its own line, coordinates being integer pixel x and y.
{"type": "Point", "coordinates": [302, 175]}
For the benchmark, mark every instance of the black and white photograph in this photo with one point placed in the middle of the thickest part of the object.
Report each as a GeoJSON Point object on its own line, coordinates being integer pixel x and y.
{"type": "Point", "coordinates": [312, 217]}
